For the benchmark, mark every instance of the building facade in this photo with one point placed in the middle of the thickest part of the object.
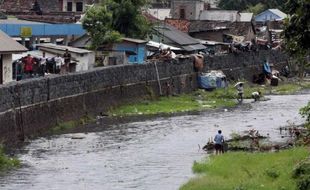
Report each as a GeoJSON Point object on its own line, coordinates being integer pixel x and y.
{"type": "Point", "coordinates": [187, 9]}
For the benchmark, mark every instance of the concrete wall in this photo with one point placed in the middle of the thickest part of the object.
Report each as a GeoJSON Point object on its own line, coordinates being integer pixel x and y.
{"type": "Point", "coordinates": [32, 106]}
{"type": "Point", "coordinates": [7, 68]}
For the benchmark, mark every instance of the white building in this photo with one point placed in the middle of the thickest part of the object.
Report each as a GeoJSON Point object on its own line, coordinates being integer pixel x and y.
{"type": "Point", "coordinates": [82, 59]}
{"type": "Point", "coordinates": [8, 46]}
{"type": "Point", "coordinates": [76, 5]}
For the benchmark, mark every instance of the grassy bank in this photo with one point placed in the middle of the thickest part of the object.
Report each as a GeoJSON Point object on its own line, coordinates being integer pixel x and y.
{"type": "Point", "coordinates": [201, 100]}
{"type": "Point", "coordinates": [243, 171]}
{"type": "Point", "coordinates": [69, 125]}
{"type": "Point", "coordinates": [182, 103]}
{"type": "Point", "coordinates": [7, 162]}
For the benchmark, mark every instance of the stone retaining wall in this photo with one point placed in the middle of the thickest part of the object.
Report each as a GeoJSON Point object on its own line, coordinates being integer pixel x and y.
{"type": "Point", "coordinates": [32, 106]}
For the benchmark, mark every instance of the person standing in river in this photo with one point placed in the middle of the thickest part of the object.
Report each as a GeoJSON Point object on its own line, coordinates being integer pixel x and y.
{"type": "Point", "coordinates": [219, 140]}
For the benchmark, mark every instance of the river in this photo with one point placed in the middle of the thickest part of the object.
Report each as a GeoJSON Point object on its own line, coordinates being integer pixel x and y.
{"type": "Point", "coordinates": [146, 155]}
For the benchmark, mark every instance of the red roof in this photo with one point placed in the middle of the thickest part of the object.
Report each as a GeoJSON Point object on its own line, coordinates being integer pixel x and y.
{"type": "Point", "coordinates": [180, 24]}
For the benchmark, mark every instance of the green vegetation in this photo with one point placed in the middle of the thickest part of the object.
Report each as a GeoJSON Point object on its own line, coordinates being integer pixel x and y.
{"type": "Point", "coordinates": [244, 171]}
{"type": "Point", "coordinates": [257, 5]}
{"type": "Point", "coordinates": [98, 23]}
{"type": "Point", "coordinates": [65, 126]}
{"type": "Point", "coordinates": [200, 100]}
{"type": "Point", "coordinates": [296, 32]}
{"type": "Point", "coordinates": [107, 22]}
{"type": "Point", "coordinates": [196, 101]}
{"type": "Point", "coordinates": [7, 162]}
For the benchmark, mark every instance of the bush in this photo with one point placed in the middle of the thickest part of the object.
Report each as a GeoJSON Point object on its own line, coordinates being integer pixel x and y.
{"type": "Point", "coordinates": [305, 112]}
{"type": "Point", "coordinates": [302, 174]}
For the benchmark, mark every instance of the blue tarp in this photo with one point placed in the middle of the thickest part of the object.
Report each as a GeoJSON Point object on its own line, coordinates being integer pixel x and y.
{"type": "Point", "coordinates": [266, 68]}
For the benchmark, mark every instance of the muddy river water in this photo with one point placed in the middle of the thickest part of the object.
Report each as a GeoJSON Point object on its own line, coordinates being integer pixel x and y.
{"type": "Point", "coordinates": [147, 155]}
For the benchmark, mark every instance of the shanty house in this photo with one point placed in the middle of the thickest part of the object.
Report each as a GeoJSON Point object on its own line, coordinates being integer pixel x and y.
{"type": "Point", "coordinates": [128, 50]}
{"type": "Point", "coordinates": [270, 15]}
{"type": "Point", "coordinates": [169, 35]}
{"type": "Point", "coordinates": [81, 59]}
{"type": "Point", "coordinates": [8, 46]}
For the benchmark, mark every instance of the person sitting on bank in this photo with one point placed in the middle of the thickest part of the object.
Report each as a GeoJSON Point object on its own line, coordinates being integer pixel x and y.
{"type": "Point", "coordinates": [256, 95]}
{"type": "Point", "coordinates": [219, 140]}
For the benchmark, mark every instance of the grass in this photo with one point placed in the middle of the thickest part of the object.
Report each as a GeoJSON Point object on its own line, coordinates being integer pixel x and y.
{"type": "Point", "coordinates": [6, 162]}
{"type": "Point", "coordinates": [201, 100]}
{"type": "Point", "coordinates": [65, 126]}
{"type": "Point", "coordinates": [182, 103]}
{"type": "Point", "coordinates": [248, 171]}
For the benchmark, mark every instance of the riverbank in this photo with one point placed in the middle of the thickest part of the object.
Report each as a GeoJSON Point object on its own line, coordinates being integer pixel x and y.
{"type": "Point", "coordinates": [203, 100]}
{"type": "Point", "coordinates": [261, 171]}
{"type": "Point", "coordinates": [7, 162]}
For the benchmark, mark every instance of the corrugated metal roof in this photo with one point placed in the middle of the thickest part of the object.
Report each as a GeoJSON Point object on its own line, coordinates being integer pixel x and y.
{"type": "Point", "coordinates": [63, 48]}
{"type": "Point", "coordinates": [219, 15]}
{"type": "Point", "coordinates": [175, 35]}
{"type": "Point", "coordinates": [8, 45]}
{"type": "Point", "coordinates": [278, 12]}
{"type": "Point", "coordinates": [194, 47]}
{"type": "Point", "coordinates": [137, 41]}
{"type": "Point", "coordinates": [246, 17]}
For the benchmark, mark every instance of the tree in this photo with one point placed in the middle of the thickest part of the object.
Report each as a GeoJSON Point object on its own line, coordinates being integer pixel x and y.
{"type": "Point", "coordinates": [258, 8]}
{"type": "Point", "coordinates": [98, 23]}
{"type": "Point", "coordinates": [297, 32]}
{"type": "Point", "coordinates": [128, 18]}
{"type": "Point", "coordinates": [242, 5]}
{"type": "Point", "coordinates": [110, 19]}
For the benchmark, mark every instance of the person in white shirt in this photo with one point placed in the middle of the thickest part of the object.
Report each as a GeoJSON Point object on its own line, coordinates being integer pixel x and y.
{"type": "Point", "coordinates": [59, 62]}
{"type": "Point", "coordinates": [256, 95]}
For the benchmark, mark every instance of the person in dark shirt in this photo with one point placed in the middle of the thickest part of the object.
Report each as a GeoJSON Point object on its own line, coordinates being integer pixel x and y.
{"type": "Point", "coordinates": [67, 60]}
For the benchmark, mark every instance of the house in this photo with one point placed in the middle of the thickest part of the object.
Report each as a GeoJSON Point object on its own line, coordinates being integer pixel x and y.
{"type": "Point", "coordinates": [270, 15]}
{"type": "Point", "coordinates": [128, 50]}
{"type": "Point", "coordinates": [246, 17]}
{"type": "Point", "coordinates": [186, 9]}
{"type": "Point", "coordinates": [220, 15]}
{"type": "Point", "coordinates": [8, 46]}
{"type": "Point", "coordinates": [219, 31]}
{"type": "Point", "coordinates": [81, 59]}
{"type": "Point", "coordinates": [50, 6]}
{"type": "Point", "coordinates": [169, 35]}
{"type": "Point", "coordinates": [133, 48]}
{"type": "Point", "coordinates": [160, 14]}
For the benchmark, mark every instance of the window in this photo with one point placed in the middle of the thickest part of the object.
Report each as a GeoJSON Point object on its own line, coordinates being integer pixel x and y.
{"type": "Point", "coordinates": [69, 6]}
{"type": "Point", "coordinates": [79, 6]}
{"type": "Point", "coordinates": [182, 13]}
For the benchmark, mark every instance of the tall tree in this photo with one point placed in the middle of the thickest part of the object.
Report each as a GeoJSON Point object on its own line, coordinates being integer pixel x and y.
{"type": "Point", "coordinates": [128, 18]}
{"type": "Point", "coordinates": [98, 23]}
{"type": "Point", "coordinates": [297, 31]}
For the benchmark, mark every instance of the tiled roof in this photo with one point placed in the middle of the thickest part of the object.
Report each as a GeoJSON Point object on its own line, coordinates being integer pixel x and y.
{"type": "Point", "coordinates": [180, 24]}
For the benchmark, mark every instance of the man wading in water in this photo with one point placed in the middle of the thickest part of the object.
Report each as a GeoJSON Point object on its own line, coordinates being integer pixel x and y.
{"type": "Point", "coordinates": [219, 140]}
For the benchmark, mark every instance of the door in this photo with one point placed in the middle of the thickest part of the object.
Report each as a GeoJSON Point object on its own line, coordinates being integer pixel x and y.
{"type": "Point", "coordinates": [69, 6]}
{"type": "Point", "coordinates": [1, 69]}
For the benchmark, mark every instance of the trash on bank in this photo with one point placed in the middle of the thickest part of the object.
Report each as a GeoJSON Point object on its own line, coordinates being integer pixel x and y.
{"type": "Point", "coordinates": [212, 80]}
